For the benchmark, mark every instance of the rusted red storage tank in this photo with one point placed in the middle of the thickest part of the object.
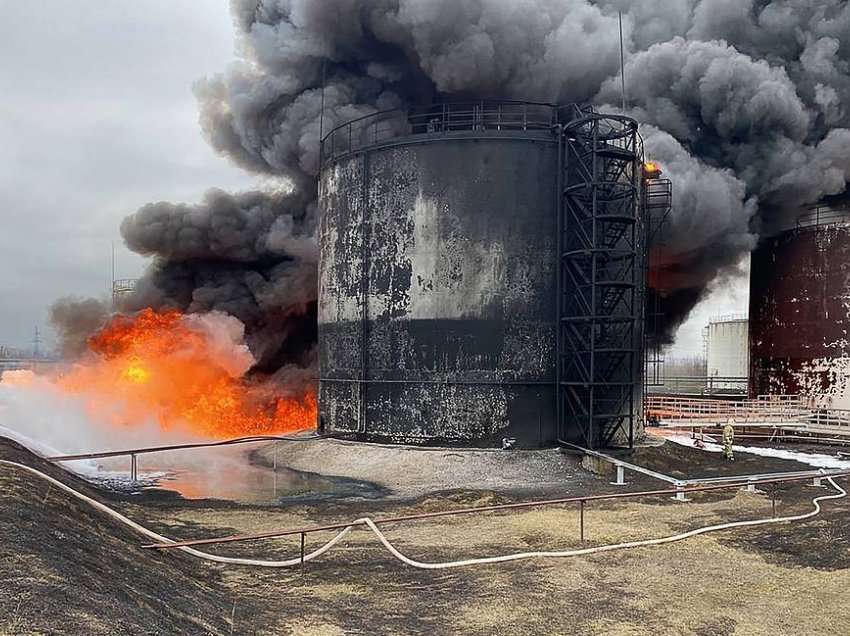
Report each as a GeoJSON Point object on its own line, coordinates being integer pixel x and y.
{"type": "Point", "coordinates": [800, 309]}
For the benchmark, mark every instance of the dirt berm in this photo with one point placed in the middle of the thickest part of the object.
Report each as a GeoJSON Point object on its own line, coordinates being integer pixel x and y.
{"type": "Point", "coordinates": [65, 569]}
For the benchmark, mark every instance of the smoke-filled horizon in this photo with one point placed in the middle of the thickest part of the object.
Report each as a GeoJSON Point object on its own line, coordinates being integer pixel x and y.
{"type": "Point", "coordinates": [740, 101]}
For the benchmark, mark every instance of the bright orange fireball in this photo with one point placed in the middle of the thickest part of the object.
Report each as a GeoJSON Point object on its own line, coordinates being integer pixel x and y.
{"type": "Point", "coordinates": [163, 366]}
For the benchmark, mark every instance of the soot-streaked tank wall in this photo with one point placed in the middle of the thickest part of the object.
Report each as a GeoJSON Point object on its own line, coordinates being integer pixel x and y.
{"type": "Point", "coordinates": [799, 322]}
{"type": "Point", "coordinates": [437, 290]}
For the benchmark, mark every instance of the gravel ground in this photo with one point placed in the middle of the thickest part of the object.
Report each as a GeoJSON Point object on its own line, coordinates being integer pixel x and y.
{"type": "Point", "coordinates": [404, 471]}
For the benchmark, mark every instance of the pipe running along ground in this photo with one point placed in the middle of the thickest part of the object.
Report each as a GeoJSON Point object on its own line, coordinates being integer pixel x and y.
{"type": "Point", "coordinates": [190, 446]}
{"type": "Point", "coordinates": [407, 560]}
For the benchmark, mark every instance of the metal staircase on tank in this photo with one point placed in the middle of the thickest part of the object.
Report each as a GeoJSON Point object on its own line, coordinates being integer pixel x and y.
{"type": "Point", "coordinates": [601, 272]}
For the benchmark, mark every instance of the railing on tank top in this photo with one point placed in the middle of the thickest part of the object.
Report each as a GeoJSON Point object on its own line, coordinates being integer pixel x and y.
{"type": "Point", "coordinates": [824, 215]}
{"type": "Point", "coordinates": [443, 119]}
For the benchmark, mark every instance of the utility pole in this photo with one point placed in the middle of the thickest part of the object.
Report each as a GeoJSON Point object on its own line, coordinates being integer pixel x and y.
{"type": "Point", "coordinates": [36, 344]}
{"type": "Point", "coordinates": [622, 64]}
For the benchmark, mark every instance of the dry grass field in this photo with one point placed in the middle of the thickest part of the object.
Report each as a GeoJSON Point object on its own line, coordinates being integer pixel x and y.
{"type": "Point", "coordinates": [66, 569]}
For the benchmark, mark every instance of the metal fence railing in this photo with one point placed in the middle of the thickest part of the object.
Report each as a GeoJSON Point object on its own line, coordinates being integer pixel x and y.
{"type": "Point", "coordinates": [26, 364]}
{"type": "Point", "coordinates": [680, 492]}
{"type": "Point", "coordinates": [133, 453]}
{"type": "Point", "coordinates": [440, 119]}
{"type": "Point", "coordinates": [824, 215]}
{"type": "Point", "coordinates": [764, 409]}
{"type": "Point", "coordinates": [699, 385]}
{"type": "Point", "coordinates": [783, 411]}
{"type": "Point", "coordinates": [829, 419]}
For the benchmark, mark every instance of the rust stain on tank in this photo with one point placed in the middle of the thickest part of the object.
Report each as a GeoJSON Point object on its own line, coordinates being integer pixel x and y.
{"type": "Point", "coordinates": [800, 315]}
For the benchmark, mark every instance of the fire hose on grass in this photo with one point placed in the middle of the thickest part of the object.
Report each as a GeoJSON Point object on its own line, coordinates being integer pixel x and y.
{"type": "Point", "coordinates": [407, 560]}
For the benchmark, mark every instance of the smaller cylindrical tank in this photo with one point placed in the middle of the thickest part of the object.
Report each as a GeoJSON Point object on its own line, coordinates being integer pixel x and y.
{"type": "Point", "coordinates": [727, 355]}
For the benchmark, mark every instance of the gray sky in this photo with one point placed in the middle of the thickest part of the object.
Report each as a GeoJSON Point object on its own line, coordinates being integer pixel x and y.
{"type": "Point", "coordinates": [97, 118]}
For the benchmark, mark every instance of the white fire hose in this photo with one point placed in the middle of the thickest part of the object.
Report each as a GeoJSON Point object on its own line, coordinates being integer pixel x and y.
{"type": "Point", "coordinates": [412, 562]}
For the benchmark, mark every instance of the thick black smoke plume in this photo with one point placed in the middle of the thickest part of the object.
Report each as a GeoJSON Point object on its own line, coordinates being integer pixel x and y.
{"type": "Point", "coordinates": [251, 255]}
{"type": "Point", "coordinates": [75, 319]}
{"type": "Point", "coordinates": [742, 101]}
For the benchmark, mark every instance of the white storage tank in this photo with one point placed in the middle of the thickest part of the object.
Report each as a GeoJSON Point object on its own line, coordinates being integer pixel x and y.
{"type": "Point", "coordinates": [727, 353]}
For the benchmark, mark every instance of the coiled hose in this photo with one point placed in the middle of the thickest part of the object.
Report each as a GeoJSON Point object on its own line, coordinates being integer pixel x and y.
{"type": "Point", "coordinates": [407, 560]}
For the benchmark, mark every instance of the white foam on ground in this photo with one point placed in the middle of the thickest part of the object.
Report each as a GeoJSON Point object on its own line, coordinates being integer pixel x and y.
{"type": "Point", "coordinates": [49, 422]}
{"type": "Point", "coordinates": [817, 460]}
{"type": "Point", "coordinates": [87, 468]}
{"type": "Point", "coordinates": [83, 467]}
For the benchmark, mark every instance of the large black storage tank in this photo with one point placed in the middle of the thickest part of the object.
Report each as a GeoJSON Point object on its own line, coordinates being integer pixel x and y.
{"type": "Point", "coordinates": [438, 276]}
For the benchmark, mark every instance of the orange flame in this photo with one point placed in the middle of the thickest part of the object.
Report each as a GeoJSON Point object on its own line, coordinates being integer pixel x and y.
{"type": "Point", "coordinates": [158, 365]}
{"type": "Point", "coordinates": [651, 168]}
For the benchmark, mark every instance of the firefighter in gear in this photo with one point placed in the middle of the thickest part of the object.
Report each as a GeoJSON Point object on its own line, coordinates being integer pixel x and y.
{"type": "Point", "coordinates": [728, 438]}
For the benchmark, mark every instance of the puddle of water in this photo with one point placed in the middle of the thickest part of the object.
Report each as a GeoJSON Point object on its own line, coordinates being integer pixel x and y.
{"type": "Point", "coordinates": [227, 473]}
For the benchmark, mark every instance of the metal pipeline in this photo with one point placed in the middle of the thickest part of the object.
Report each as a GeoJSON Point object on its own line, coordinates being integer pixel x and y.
{"type": "Point", "coordinates": [160, 449]}
{"type": "Point", "coordinates": [304, 558]}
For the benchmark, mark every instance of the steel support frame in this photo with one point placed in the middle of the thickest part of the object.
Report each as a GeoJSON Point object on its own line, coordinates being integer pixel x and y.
{"type": "Point", "coordinates": [657, 204]}
{"type": "Point", "coordinates": [600, 250]}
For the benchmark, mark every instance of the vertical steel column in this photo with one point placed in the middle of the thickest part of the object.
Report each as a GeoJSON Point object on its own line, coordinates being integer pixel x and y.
{"type": "Point", "coordinates": [559, 299]}
{"type": "Point", "coordinates": [621, 476]}
{"type": "Point", "coordinates": [594, 212]}
{"type": "Point", "coordinates": [656, 204]}
{"type": "Point", "coordinates": [274, 472]}
{"type": "Point", "coordinates": [581, 520]}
